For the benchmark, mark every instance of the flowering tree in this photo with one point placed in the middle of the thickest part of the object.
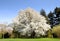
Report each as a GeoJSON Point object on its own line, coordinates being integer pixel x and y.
{"type": "Point", "coordinates": [29, 21]}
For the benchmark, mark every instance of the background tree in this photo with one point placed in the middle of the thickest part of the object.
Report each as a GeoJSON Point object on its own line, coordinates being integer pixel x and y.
{"type": "Point", "coordinates": [50, 18]}
{"type": "Point", "coordinates": [43, 13]}
{"type": "Point", "coordinates": [57, 13]}
{"type": "Point", "coordinates": [54, 17]}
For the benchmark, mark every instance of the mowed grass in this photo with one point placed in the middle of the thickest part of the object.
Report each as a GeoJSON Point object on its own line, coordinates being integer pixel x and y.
{"type": "Point", "coordinates": [40, 39]}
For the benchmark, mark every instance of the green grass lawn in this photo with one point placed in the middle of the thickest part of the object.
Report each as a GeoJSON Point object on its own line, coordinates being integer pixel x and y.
{"type": "Point", "coordinates": [40, 39]}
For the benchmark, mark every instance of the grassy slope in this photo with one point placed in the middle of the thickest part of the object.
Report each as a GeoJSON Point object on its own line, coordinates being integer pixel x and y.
{"type": "Point", "coordinates": [41, 39]}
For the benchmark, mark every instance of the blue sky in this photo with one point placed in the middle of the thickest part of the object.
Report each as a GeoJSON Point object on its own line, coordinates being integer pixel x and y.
{"type": "Point", "coordinates": [10, 8]}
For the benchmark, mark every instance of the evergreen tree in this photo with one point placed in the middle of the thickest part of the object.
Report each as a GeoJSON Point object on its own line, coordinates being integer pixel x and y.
{"type": "Point", "coordinates": [54, 17]}
{"type": "Point", "coordinates": [43, 13]}
{"type": "Point", "coordinates": [57, 13]}
{"type": "Point", "coordinates": [50, 18]}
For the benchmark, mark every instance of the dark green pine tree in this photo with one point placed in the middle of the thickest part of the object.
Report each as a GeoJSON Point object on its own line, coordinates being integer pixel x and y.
{"type": "Point", "coordinates": [43, 13]}
{"type": "Point", "coordinates": [57, 13]}
{"type": "Point", "coordinates": [50, 18]}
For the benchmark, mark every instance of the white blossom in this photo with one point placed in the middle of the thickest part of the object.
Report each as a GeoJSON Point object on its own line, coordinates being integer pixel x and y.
{"type": "Point", "coordinates": [29, 20]}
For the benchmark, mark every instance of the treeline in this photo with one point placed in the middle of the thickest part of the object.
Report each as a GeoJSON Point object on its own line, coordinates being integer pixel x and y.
{"type": "Point", "coordinates": [53, 19]}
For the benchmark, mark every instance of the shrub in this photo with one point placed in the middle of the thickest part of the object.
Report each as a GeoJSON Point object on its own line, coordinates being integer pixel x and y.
{"type": "Point", "coordinates": [56, 31]}
{"type": "Point", "coordinates": [0, 35]}
{"type": "Point", "coordinates": [49, 34]}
